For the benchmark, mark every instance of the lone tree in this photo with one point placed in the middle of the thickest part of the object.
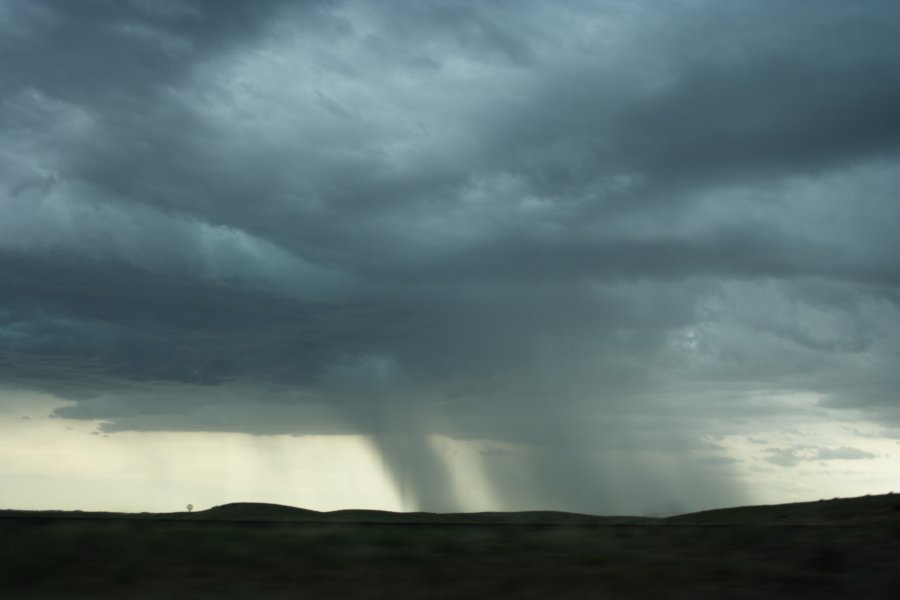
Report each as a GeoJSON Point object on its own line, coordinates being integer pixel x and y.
{"type": "Point", "coordinates": [190, 507]}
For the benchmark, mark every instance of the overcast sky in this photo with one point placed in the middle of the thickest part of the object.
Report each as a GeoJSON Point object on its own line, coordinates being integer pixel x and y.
{"type": "Point", "coordinates": [602, 256]}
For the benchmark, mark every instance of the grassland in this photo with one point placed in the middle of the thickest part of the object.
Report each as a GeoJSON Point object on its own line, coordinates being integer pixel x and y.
{"type": "Point", "coordinates": [827, 549]}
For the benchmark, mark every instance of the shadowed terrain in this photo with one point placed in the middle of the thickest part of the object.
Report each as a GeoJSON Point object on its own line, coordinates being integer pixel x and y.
{"type": "Point", "coordinates": [825, 549]}
{"type": "Point", "coordinates": [837, 511]}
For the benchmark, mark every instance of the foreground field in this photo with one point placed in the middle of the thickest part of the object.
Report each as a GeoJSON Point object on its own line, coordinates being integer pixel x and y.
{"type": "Point", "coordinates": [744, 554]}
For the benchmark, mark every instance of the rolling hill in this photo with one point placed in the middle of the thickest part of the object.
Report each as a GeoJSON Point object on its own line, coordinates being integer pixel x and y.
{"type": "Point", "coordinates": [838, 511]}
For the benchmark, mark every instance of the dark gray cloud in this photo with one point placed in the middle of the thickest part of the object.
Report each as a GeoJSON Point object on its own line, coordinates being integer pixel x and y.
{"type": "Point", "coordinates": [573, 228]}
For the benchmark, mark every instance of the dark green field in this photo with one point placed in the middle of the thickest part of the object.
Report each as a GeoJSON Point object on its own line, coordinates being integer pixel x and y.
{"type": "Point", "coordinates": [827, 549]}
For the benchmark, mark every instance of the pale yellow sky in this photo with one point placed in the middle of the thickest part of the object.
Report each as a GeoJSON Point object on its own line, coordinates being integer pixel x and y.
{"type": "Point", "coordinates": [66, 464]}
{"type": "Point", "coordinates": [53, 463]}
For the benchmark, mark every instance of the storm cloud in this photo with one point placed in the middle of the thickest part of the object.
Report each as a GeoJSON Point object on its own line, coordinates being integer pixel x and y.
{"type": "Point", "coordinates": [603, 231]}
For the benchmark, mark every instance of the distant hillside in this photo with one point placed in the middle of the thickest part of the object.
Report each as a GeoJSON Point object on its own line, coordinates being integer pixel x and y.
{"type": "Point", "coordinates": [250, 511]}
{"type": "Point", "coordinates": [538, 517]}
{"type": "Point", "coordinates": [254, 511]}
{"type": "Point", "coordinates": [838, 511]}
{"type": "Point", "coordinates": [865, 509]}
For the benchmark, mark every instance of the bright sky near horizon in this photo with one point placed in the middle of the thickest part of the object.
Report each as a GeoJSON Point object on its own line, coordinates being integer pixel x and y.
{"type": "Point", "coordinates": [53, 463]}
{"type": "Point", "coordinates": [604, 256]}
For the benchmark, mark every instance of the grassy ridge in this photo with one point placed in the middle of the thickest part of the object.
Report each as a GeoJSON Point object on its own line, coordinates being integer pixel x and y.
{"type": "Point", "coordinates": [274, 512]}
{"type": "Point", "coordinates": [866, 509]}
{"type": "Point", "coordinates": [837, 511]}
